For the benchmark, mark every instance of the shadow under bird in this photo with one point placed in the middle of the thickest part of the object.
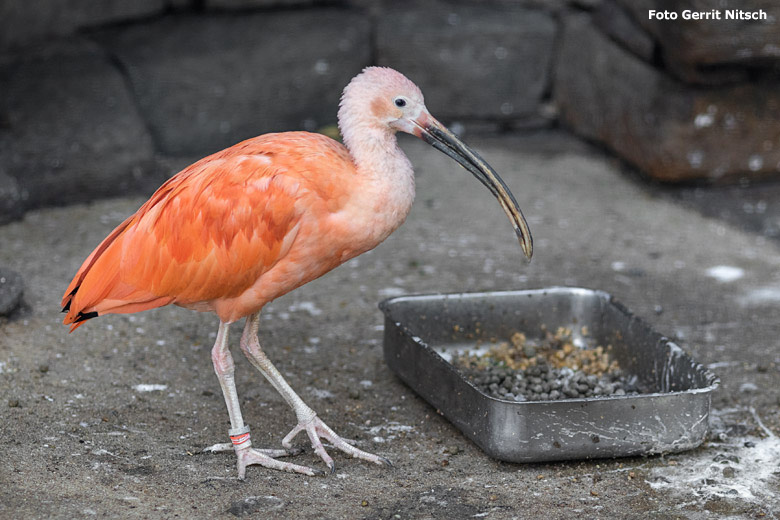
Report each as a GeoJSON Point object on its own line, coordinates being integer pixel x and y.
{"type": "Point", "coordinates": [246, 225]}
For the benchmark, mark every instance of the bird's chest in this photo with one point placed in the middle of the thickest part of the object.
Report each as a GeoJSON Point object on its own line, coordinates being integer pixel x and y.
{"type": "Point", "coordinates": [373, 213]}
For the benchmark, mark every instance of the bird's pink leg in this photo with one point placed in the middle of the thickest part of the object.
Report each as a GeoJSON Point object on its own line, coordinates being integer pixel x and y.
{"type": "Point", "coordinates": [239, 432]}
{"type": "Point", "coordinates": [307, 418]}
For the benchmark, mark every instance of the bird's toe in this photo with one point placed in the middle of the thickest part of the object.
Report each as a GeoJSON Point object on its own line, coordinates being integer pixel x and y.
{"type": "Point", "coordinates": [383, 461]}
{"type": "Point", "coordinates": [249, 456]}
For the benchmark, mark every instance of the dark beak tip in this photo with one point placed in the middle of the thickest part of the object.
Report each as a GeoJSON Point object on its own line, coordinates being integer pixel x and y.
{"type": "Point", "coordinates": [528, 252]}
{"type": "Point", "coordinates": [526, 242]}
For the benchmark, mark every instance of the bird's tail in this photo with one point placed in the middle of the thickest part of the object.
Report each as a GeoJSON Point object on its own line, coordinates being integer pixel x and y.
{"type": "Point", "coordinates": [98, 289]}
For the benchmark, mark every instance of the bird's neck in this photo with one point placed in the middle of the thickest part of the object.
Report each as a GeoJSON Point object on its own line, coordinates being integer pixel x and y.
{"type": "Point", "coordinates": [386, 175]}
{"type": "Point", "coordinates": [376, 155]}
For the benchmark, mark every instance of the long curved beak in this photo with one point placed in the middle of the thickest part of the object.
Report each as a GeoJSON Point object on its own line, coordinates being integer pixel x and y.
{"type": "Point", "coordinates": [437, 135]}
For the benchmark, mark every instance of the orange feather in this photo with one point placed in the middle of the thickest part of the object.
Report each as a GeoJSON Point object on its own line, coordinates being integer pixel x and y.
{"type": "Point", "coordinates": [214, 230]}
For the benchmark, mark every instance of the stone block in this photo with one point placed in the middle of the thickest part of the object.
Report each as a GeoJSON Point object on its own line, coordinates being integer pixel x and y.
{"type": "Point", "coordinates": [713, 51]}
{"type": "Point", "coordinates": [25, 21]}
{"type": "Point", "coordinates": [471, 60]}
{"type": "Point", "coordinates": [207, 82]}
{"type": "Point", "coordinates": [70, 129]}
{"type": "Point", "coordinates": [670, 130]}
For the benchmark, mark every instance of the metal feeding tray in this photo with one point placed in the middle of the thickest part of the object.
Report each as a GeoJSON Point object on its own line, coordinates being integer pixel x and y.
{"type": "Point", "coordinates": [671, 416]}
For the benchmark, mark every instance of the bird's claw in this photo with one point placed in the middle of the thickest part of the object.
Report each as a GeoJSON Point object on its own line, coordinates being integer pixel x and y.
{"type": "Point", "coordinates": [316, 429]}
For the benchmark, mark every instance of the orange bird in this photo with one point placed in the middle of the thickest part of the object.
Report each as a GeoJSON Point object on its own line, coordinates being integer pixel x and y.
{"type": "Point", "coordinates": [243, 226]}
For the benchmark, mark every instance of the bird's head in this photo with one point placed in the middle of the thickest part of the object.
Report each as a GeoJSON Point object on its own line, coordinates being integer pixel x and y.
{"type": "Point", "coordinates": [382, 101]}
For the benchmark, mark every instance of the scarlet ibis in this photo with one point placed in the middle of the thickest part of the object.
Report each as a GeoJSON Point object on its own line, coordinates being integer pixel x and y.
{"type": "Point", "coordinates": [243, 226]}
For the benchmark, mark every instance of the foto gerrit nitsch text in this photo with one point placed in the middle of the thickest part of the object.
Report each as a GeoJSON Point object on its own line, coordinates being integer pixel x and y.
{"type": "Point", "coordinates": [709, 14]}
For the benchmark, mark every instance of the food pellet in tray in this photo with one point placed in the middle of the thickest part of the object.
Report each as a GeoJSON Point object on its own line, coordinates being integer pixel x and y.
{"type": "Point", "coordinates": [550, 369]}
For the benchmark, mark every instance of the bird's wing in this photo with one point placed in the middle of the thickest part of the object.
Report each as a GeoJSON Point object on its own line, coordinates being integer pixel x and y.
{"type": "Point", "coordinates": [210, 231]}
{"type": "Point", "coordinates": [216, 232]}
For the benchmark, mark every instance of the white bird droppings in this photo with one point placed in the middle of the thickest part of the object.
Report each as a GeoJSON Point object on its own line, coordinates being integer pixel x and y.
{"type": "Point", "coordinates": [391, 429]}
{"type": "Point", "coordinates": [761, 296]}
{"type": "Point", "coordinates": [748, 388]}
{"type": "Point", "coordinates": [321, 393]}
{"type": "Point", "coordinates": [751, 461]}
{"type": "Point", "coordinates": [725, 273]}
{"type": "Point", "coordinates": [149, 388]}
{"type": "Point", "coordinates": [309, 307]}
{"type": "Point", "coordinates": [391, 292]}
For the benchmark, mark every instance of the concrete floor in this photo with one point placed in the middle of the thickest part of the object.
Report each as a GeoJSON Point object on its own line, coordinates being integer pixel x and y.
{"type": "Point", "coordinates": [80, 438]}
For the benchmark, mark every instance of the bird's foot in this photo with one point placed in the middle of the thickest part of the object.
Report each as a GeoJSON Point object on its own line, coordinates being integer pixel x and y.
{"type": "Point", "coordinates": [241, 443]}
{"type": "Point", "coordinates": [317, 429]}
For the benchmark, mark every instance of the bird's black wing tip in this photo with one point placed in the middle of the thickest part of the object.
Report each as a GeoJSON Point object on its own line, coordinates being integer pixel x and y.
{"type": "Point", "coordinates": [84, 316]}
{"type": "Point", "coordinates": [70, 296]}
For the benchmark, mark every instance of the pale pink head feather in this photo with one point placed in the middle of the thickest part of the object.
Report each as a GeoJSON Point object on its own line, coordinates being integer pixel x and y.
{"type": "Point", "coordinates": [367, 107]}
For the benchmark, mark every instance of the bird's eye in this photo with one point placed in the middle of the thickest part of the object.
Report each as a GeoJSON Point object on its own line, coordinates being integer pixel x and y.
{"type": "Point", "coordinates": [400, 102]}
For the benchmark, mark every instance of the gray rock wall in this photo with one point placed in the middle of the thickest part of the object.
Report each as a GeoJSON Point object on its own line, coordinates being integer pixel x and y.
{"type": "Point", "coordinates": [99, 95]}
{"type": "Point", "coordinates": [718, 51]}
{"type": "Point", "coordinates": [206, 82]}
{"type": "Point", "coordinates": [29, 21]}
{"type": "Point", "coordinates": [71, 129]}
{"type": "Point", "coordinates": [667, 128]}
{"type": "Point", "coordinates": [476, 61]}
